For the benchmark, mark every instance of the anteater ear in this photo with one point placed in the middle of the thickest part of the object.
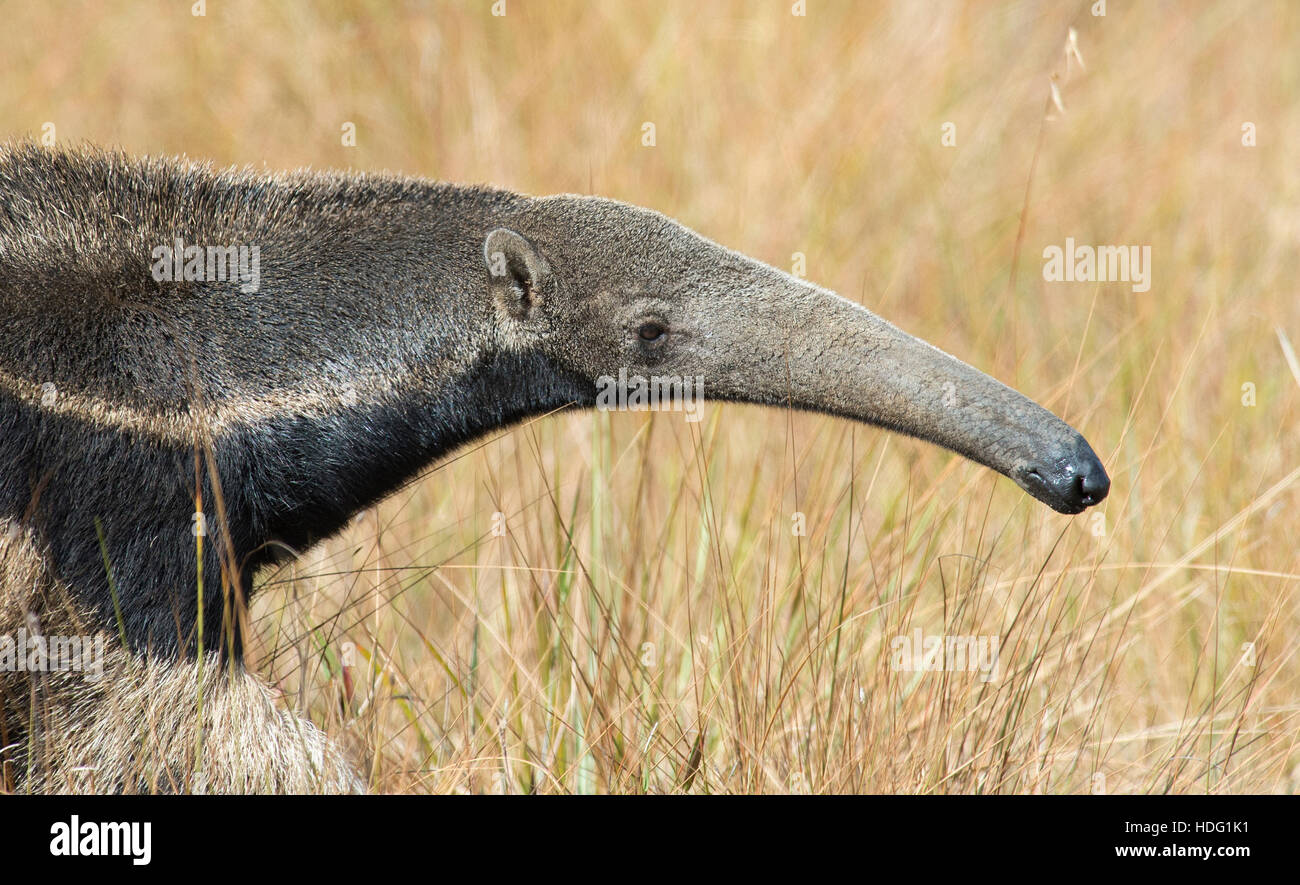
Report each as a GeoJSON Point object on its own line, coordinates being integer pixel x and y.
{"type": "Point", "coordinates": [518, 274]}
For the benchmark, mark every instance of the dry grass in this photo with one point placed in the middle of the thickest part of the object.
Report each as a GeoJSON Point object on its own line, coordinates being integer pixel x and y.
{"type": "Point", "coordinates": [648, 622]}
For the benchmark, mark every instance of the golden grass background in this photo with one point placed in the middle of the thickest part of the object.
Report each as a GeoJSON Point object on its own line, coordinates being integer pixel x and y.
{"type": "Point", "coordinates": [648, 622]}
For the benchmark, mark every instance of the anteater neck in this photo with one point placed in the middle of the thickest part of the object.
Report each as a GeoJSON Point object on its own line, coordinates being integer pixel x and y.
{"type": "Point", "coordinates": [269, 488]}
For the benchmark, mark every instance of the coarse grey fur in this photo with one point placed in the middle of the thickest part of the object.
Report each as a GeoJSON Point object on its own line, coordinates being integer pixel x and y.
{"type": "Point", "coordinates": [394, 320]}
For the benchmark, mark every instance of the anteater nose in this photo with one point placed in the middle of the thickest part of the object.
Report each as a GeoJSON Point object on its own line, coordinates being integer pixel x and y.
{"type": "Point", "coordinates": [1084, 481]}
{"type": "Point", "coordinates": [1092, 482]}
{"type": "Point", "coordinates": [1070, 482]}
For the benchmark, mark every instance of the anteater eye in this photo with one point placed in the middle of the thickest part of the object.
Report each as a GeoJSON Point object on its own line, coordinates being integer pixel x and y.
{"type": "Point", "coordinates": [650, 332]}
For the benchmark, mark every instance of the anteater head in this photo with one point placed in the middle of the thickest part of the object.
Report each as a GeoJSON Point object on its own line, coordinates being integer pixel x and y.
{"type": "Point", "coordinates": [603, 287]}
